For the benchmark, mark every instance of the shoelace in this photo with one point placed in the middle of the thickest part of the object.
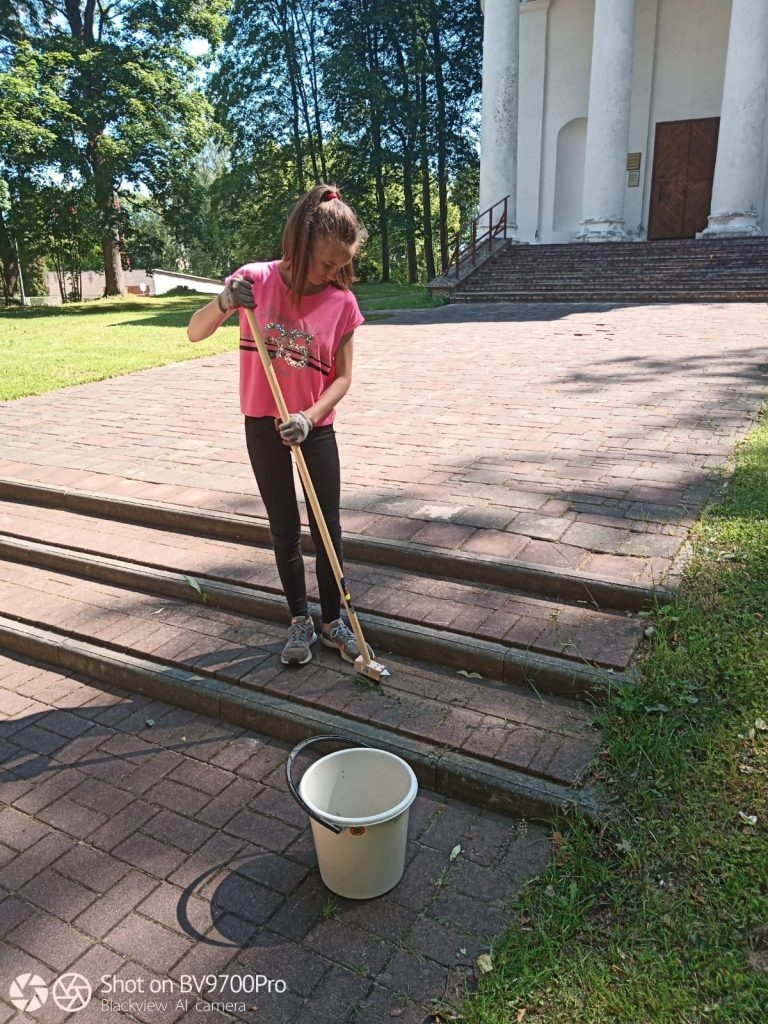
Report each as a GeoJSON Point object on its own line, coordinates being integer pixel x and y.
{"type": "Point", "coordinates": [343, 633]}
{"type": "Point", "coordinates": [297, 634]}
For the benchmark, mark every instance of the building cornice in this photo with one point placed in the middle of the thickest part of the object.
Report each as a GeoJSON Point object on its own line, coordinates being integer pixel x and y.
{"type": "Point", "coordinates": [531, 5]}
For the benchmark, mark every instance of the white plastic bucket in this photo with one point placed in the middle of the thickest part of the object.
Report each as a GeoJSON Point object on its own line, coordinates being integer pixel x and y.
{"type": "Point", "coordinates": [358, 801]}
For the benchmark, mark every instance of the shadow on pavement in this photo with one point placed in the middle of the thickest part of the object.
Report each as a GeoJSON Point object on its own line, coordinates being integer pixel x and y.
{"type": "Point", "coordinates": [497, 312]}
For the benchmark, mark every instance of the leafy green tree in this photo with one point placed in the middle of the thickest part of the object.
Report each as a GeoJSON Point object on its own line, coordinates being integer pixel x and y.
{"type": "Point", "coordinates": [36, 277]}
{"type": "Point", "coordinates": [405, 81]}
{"type": "Point", "coordinates": [131, 112]}
{"type": "Point", "coordinates": [31, 85]}
{"type": "Point", "coordinates": [253, 199]}
{"type": "Point", "coordinates": [455, 40]}
{"type": "Point", "coordinates": [193, 214]}
{"type": "Point", "coordinates": [357, 78]}
{"type": "Point", "coordinates": [267, 86]}
{"type": "Point", "coordinates": [381, 96]}
{"type": "Point", "coordinates": [186, 227]}
{"type": "Point", "coordinates": [18, 17]}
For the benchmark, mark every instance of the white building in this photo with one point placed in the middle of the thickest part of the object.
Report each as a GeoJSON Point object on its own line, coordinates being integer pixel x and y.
{"type": "Point", "coordinates": [626, 119]}
{"type": "Point", "coordinates": [137, 282]}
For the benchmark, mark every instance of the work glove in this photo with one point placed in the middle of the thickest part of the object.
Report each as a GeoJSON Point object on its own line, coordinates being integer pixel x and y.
{"type": "Point", "coordinates": [238, 292]}
{"type": "Point", "coordinates": [296, 428]}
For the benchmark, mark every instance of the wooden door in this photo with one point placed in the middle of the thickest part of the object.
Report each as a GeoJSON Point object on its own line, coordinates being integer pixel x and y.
{"type": "Point", "coordinates": [681, 184]}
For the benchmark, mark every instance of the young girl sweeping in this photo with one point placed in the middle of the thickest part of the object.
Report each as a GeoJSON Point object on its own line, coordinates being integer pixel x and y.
{"type": "Point", "coordinates": [307, 315]}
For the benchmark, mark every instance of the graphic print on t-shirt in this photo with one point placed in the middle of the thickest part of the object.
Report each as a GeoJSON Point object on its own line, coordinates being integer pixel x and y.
{"type": "Point", "coordinates": [294, 346]}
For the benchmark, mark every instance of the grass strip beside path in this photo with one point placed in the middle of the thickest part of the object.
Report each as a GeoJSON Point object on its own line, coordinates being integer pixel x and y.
{"type": "Point", "coordinates": [661, 915]}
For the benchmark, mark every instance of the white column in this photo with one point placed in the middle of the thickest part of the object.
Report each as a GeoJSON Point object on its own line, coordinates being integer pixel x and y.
{"type": "Point", "coordinates": [498, 137]}
{"type": "Point", "coordinates": [610, 91]}
{"type": "Point", "coordinates": [738, 168]}
{"type": "Point", "coordinates": [534, 20]}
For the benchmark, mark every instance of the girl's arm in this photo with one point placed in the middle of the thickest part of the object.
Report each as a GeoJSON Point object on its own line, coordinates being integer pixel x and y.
{"type": "Point", "coordinates": [340, 384]}
{"type": "Point", "coordinates": [205, 321]}
{"type": "Point", "coordinates": [237, 292]}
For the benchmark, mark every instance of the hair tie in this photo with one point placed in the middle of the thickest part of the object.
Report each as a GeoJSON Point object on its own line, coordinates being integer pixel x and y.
{"type": "Point", "coordinates": [331, 195]}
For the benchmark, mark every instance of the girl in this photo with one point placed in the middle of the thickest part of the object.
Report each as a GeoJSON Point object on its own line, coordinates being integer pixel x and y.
{"type": "Point", "coordinates": [308, 315]}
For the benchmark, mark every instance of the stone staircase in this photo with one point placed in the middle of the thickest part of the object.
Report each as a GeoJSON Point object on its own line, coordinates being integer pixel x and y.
{"type": "Point", "coordinates": [685, 270]}
{"type": "Point", "coordinates": [497, 666]}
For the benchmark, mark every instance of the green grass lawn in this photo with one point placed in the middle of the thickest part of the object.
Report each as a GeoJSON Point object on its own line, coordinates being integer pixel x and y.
{"type": "Point", "coordinates": [659, 915]}
{"type": "Point", "coordinates": [44, 348]}
{"type": "Point", "coordinates": [395, 296]}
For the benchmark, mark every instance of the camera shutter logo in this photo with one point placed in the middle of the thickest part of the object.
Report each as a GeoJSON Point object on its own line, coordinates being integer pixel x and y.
{"type": "Point", "coordinates": [71, 992]}
{"type": "Point", "coordinates": [28, 992]}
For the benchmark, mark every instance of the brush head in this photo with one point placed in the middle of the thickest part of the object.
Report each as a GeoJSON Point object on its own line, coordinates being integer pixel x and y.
{"type": "Point", "coordinates": [372, 670]}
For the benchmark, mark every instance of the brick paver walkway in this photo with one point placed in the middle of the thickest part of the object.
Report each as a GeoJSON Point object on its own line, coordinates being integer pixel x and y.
{"type": "Point", "coordinates": [148, 843]}
{"type": "Point", "coordinates": [143, 846]}
{"type": "Point", "coordinates": [578, 437]}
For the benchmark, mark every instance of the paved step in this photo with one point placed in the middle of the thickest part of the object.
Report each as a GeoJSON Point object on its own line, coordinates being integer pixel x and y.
{"type": "Point", "coordinates": [614, 295]}
{"type": "Point", "coordinates": [497, 631]}
{"type": "Point", "coordinates": [685, 270]}
{"type": "Point", "coordinates": [498, 745]}
{"type": "Point", "coordinates": [558, 583]}
{"type": "Point", "coordinates": [200, 621]}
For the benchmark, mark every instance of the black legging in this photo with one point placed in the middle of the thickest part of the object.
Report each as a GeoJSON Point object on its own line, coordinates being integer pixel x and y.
{"type": "Point", "coordinates": [272, 467]}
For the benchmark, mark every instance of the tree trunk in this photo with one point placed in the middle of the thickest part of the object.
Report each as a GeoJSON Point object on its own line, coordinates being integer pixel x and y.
{"type": "Point", "coordinates": [285, 27]}
{"type": "Point", "coordinates": [407, 131]}
{"type": "Point", "coordinates": [372, 45]}
{"type": "Point", "coordinates": [106, 201]}
{"type": "Point", "coordinates": [410, 213]}
{"type": "Point", "coordinates": [299, 96]}
{"type": "Point", "coordinates": [426, 182]}
{"type": "Point", "coordinates": [83, 28]}
{"type": "Point", "coordinates": [10, 262]}
{"type": "Point", "coordinates": [314, 120]}
{"type": "Point", "coordinates": [381, 205]}
{"type": "Point", "coordinates": [114, 283]}
{"type": "Point", "coordinates": [441, 133]}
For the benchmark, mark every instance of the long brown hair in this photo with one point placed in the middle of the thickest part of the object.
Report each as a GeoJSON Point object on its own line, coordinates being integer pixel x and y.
{"type": "Point", "coordinates": [320, 213]}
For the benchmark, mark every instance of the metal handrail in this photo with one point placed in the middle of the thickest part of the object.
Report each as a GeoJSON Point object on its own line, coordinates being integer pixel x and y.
{"type": "Point", "coordinates": [482, 232]}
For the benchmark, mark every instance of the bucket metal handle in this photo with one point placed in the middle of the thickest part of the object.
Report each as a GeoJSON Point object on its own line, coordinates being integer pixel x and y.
{"type": "Point", "coordinates": [338, 829]}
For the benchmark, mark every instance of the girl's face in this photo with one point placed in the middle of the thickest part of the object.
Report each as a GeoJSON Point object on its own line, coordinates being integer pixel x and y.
{"type": "Point", "coordinates": [327, 259]}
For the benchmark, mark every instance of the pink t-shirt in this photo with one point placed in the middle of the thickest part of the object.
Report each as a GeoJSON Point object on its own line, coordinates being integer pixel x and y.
{"type": "Point", "coordinates": [302, 341]}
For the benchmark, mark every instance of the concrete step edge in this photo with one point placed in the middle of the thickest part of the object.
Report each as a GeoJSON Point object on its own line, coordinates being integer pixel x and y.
{"type": "Point", "coordinates": [564, 585]}
{"type": "Point", "coordinates": [548, 674]}
{"type": "Point", "coordinates": [610, 297]}
{"type": "Point", "coordinates": [449, 774]}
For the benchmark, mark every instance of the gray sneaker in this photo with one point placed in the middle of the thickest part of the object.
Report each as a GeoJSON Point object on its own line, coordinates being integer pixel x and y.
{"type": "Point", "coordinates": [341, 637]}
{"type": "Point", "coordinates": [300, 639]}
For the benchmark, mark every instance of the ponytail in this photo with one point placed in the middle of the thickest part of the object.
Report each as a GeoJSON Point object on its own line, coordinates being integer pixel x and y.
{"type": "Point", "coordinates": [320, 213]}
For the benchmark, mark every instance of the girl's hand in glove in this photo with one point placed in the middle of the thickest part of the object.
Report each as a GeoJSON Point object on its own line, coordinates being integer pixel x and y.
{"type": "Point", "coordinates": [238, 292]}
{"type": "Point", "coordinates": [295, 429]}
